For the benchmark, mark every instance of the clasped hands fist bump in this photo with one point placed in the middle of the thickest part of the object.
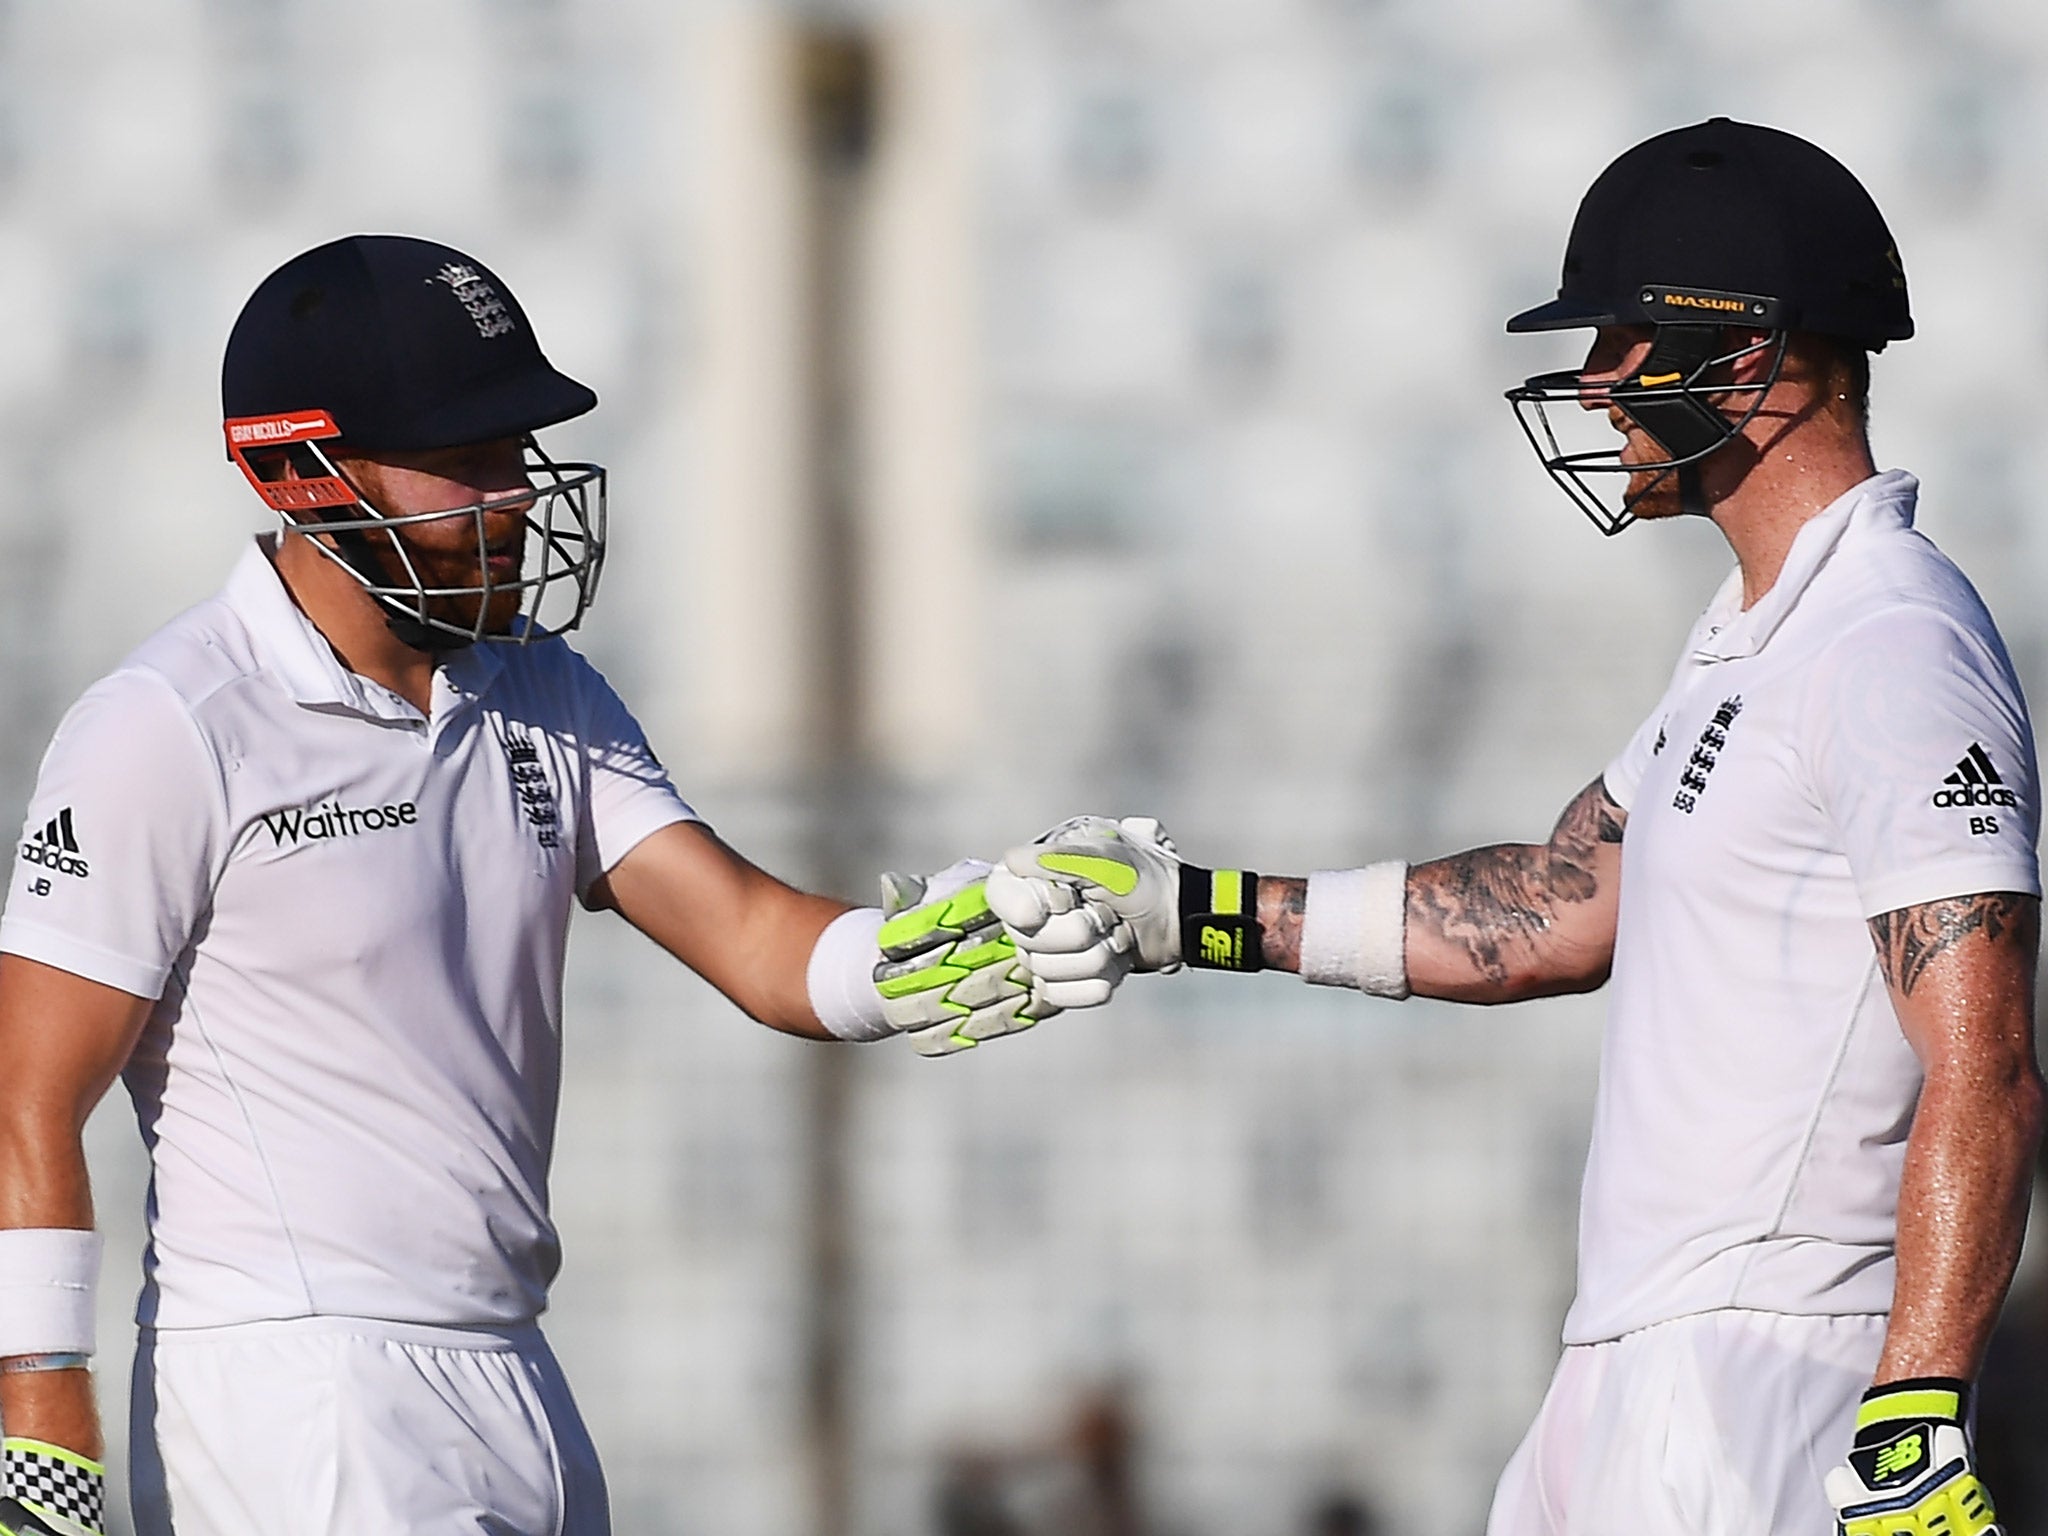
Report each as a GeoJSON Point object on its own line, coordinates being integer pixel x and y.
{"type": "Point", "coordinates": [979, 951]}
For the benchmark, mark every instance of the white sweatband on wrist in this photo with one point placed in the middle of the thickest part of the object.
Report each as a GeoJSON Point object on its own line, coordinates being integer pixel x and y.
{"type": "Point", "coordinates": [841, 976]}
{"type": "Point", "coordinates": [47, 1276]}
{"type": "Point", "coordinates": [1354, 929]}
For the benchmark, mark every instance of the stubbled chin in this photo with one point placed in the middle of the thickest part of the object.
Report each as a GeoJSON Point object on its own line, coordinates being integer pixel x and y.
{"type": "Point", "coordinates": [461, 612]}
{"type": "Point", "coordinates": [1653, 496]}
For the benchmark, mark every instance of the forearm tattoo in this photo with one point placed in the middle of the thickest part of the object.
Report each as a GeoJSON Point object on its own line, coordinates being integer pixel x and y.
{"type": "Point", "coordinates": [1913, 938]}
{"type": "Point", "coordinates": [1493, 901]}
{"type": "Point", "coordinates": [1282, 901]}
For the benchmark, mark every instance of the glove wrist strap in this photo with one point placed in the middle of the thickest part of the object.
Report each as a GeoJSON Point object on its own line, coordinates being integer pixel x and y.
{"type": "Point", "coordinates": [1219, 920]}
{"type": "Point", "coordinates": [1935, 1399]}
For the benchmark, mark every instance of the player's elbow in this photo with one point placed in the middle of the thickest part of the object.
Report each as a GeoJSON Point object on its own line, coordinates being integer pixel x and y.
{"type": "Point", "coordinates": [1567, 980]}
{"type": "Point", "coordinates": [1588, 978]}
{"type": "Point", "coordinates": [1517, 983]}
{"type": "Point", "coordinates": [2005, 1091]}
{"type": "Point", "coordinates": [1573, 955]}
{"type": "Point", "coordinates": [1582, 958]}
{"type": "Point", "coordinates": [2026, 1098]}
{"type": "Point", "coordinates": [1562, 969]}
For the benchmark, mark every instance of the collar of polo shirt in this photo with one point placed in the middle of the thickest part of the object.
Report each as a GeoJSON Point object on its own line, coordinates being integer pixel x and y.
{"type": "Point", "coordinates": [302, 660]}
{"type": "Point", "coordinates": [1726, 632]}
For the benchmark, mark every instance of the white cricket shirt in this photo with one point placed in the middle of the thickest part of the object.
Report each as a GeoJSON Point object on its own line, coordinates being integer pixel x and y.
{"type": "Point", "coordinates": [1854, 743]}
{"type": "Point", "coordinates": [355, 921]}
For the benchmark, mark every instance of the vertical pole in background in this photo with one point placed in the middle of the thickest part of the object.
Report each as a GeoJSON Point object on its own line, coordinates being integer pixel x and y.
{"type": "Point", "coordinates": [835, 79]}
{"type": "Point", "coordinates": [746, 561]}
{"type": "Point", "coordinates": [924, 539]}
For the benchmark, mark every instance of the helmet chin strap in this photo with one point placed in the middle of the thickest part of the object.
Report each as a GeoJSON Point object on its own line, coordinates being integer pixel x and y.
{"type": "Point", "coordinates": [1685, 426]}
{"type": "Point", "coordinates": [423, 637]}
{"type": "Point", "coordinates": [1692, 497]}
{"type": "Point", "coordinates": [353, 545]}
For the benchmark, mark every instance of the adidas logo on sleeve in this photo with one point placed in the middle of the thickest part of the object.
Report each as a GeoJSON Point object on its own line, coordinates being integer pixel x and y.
{"type": "Point", "coordinates": [56, 847]}
{"type": "Point", "coordinates": [1975, 782]}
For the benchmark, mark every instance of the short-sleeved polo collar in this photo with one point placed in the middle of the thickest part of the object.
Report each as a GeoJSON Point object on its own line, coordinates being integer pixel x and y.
{"type": "Point", "coordinates": [465, 676]}
{"type": "Point", "coordinates": [300, 658]}
{"type": "Point", "coordinates": [1727, 631]}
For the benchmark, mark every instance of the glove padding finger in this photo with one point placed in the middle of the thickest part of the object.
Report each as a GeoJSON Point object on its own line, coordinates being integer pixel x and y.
{"type": "Point", "coordinates": [1086, 992]}
{"type": "Point", "coordinates": [1079, 956]}
{"type": "Point", "coordinates": [949, 976]}
{"type": "Point", "coordinates": [1010, 1016]}
{"type": "Point", "coordinates": [1098, 962]}
{"type": "Point", "coordinates": [1026, 907]}
{"type": "Point", "coordinates": [1027, 902]}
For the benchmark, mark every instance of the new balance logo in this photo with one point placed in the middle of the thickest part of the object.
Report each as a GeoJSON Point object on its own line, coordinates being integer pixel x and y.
{"type": "Point", "coordinates": [1899, 1456]}
{"type": "Point", "coordinates": [1975, 782]}
{"type": "Point", "coordinates": [1897, 1461]}
{"type": "Point", "coordinates": [56, 847]}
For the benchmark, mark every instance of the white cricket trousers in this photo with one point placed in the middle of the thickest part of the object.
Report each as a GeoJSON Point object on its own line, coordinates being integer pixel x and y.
{"type": "Point", "coordinates": [1720, 1424]}
{"type": "Point", "coordinates": [346, 1427]}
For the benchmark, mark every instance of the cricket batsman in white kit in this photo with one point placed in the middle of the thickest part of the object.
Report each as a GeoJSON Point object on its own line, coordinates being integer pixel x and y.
{"type": "Point", "coordinates": [300, 871]}
{"type": "Point", "coordinates": [1809, 880]}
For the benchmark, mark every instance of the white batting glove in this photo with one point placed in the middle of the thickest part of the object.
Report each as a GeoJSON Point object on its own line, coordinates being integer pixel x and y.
{"type": "Point", "coordinates": [1910, 1472]}
{"type": "Point", "coordinates": [1095, 899]}
{"type": "Point", "coordinates": [949, 976]}
{"type": "Point", "coordinates": [1091, 901]}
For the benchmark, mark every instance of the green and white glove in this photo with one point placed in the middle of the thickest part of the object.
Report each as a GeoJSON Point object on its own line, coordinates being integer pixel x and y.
{"type": "Point", "coordinates": [949, 977]}
{"type": "Point", "coordinates": [1095, 899]}
{"type": "Point", "coordinates": [1910, 1472]}
{"type": "Point", "coordinates": [50, 1491]}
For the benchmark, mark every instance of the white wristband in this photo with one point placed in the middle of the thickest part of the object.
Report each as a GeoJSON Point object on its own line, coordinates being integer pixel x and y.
{"type": "Point", "coordinates": [47, 1276]}
{"type": "Point", "coordinates": [1354, 929]}
{"type": "Point", "coordinates": [841, 976]}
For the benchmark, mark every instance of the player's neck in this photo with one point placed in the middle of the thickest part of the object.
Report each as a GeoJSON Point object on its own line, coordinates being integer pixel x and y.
{"type": "Point", "coordinates": [350, 620]}
{"type": "Point", "coordinates": [1799, 477]}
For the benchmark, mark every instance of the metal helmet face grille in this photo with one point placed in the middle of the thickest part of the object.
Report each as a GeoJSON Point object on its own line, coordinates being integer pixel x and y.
{"type": "Point", "coordinates": [564, 544]}
{"type": "Point", "coordinates": [563, 541]}
{"type": "Point", "coordinates": [1679, 410]}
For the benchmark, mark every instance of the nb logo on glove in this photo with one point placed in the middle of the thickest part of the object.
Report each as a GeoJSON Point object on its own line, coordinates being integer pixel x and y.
{"type": "Point", "coordinates": [1900, 1456]}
